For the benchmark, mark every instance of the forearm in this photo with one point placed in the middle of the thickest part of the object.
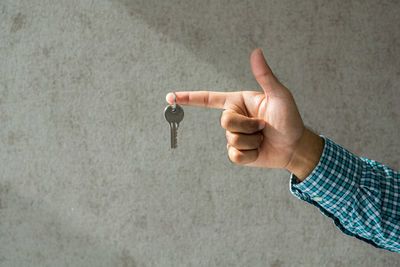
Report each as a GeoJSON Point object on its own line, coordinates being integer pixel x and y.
{"type": "Point", "coordinates": [307, 155]}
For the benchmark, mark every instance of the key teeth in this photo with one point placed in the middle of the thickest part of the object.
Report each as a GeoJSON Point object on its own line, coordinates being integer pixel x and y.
{"type": "Point", "coordinates": [176, 140]}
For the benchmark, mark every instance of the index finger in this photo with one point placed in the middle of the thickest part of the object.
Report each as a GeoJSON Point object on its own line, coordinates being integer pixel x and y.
{"type": "Point", "coordinates": [200, 98]}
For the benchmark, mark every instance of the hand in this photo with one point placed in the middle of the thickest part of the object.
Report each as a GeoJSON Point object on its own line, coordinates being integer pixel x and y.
{"type": "Point", "coordinates": [263, 129]}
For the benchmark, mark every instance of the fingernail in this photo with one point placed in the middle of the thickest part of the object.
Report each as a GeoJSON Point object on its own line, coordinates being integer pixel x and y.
{"type": "Point", "coordinates": [261, 125]}
{"type": "Point", "coordinates": [167, 97]}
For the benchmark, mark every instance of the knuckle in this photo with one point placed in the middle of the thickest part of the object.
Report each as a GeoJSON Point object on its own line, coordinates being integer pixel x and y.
{"type": "Point", "coordinates": [226, 120]}
{"type": "Point", "coordinates": [235, 156]}
{"type": "Point", "coordinates": [236, 139]}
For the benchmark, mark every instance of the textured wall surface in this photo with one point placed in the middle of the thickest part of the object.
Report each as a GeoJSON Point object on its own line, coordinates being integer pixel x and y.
{"type": "Point", "coordinates": [86, 174]}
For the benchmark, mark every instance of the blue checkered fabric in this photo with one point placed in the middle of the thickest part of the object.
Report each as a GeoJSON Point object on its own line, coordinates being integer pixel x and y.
{"type": "Point", "coordinates": [362, 196]}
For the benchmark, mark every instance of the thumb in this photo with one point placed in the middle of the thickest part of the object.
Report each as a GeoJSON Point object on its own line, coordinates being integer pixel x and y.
{"type": "Point", "coordinates": [263, 73]}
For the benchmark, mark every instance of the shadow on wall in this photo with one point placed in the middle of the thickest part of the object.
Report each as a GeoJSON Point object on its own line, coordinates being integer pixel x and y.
{"type": "Point", "coordinates": [222, 39]}
{"type": "Point", "coordinates": [224, 33]}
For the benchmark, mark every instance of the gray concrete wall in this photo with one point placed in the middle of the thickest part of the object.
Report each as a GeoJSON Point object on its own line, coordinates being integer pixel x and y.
{"type": "Point", "coordinates": [86, 174]}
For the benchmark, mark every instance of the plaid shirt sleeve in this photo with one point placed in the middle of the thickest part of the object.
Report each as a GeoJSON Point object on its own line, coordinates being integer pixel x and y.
{"type": "Point", "coordinates": [362, 196]}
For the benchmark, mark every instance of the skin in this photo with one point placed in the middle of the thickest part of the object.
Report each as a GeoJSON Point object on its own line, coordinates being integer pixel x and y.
{"type": "Point", "coordinates": [263, 129]}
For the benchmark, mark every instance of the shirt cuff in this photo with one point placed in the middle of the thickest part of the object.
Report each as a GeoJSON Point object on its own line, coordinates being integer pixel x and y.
{"type": "Point", "coordinates": [334, 187]}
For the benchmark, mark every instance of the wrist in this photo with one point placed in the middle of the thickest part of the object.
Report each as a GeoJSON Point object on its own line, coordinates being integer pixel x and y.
{"type": "Point", "coordinates": [306, 155]}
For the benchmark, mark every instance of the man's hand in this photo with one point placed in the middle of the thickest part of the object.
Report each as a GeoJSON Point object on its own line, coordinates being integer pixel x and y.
{"type": "Point", "coordinates": [263, 129]}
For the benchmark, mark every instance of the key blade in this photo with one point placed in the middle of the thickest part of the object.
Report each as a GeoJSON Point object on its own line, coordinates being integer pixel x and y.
{"type": "Point", "coordinates": [174, 135]}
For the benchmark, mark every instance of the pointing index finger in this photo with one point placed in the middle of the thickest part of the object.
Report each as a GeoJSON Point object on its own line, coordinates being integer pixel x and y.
{"type": "Point", "coordinates": [200, 98]}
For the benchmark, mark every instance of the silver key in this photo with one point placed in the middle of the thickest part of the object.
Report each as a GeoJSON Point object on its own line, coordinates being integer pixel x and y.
{"type": "Point", "coordinates": [174, 115]}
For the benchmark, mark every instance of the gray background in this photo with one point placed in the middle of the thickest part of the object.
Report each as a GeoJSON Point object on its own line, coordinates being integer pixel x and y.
{"type": "Point", "coordinates": [87, 176]}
